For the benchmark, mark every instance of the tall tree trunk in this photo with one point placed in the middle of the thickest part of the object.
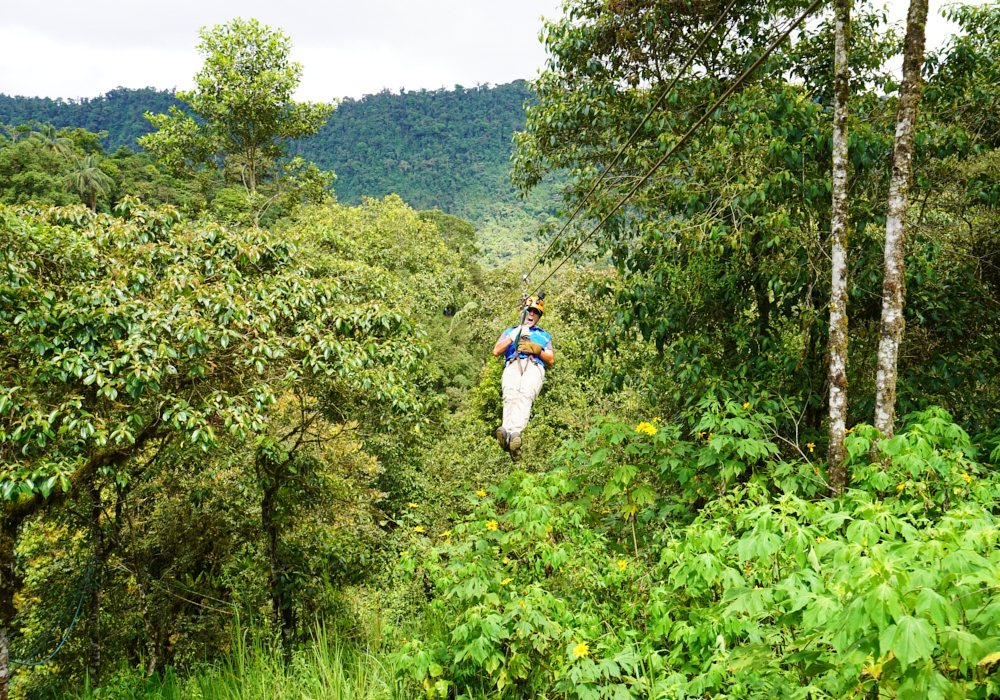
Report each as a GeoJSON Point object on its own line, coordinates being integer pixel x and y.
{"type": "Point", "coordinates": [10, 584]}
{"type": "Point", "coordinates": [838, 273]}
{"type": "Point", "coordinates": [893, 281]}
{"type": "Point", "coordinates": [152, 639]}
{"type": "Point", "coordinates": [97, 540]}
{"type": "Point", "coordinates": [280, 604]}
{"type": "Point", "coordinates": [153, 647]}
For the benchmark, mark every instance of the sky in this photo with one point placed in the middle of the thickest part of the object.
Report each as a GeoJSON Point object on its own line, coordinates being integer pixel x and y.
{"type": "Point", "coordinates": [349, 48]}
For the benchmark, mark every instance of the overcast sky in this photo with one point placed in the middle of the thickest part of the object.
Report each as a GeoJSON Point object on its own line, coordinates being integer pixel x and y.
{"type": "Point", "coordinates": [68, 48]}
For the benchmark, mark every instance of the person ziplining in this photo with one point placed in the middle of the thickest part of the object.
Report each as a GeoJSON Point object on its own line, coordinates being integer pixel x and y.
{"type": "Point", "coordinates": [527, 352]}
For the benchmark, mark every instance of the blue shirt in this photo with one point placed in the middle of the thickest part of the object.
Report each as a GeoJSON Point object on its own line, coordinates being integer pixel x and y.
{"type": "Point", "coordinates": [535, 335]}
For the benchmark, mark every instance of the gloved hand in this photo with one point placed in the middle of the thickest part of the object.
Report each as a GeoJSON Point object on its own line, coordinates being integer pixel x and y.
{"type": "Point", "coordinates": [529, 347]}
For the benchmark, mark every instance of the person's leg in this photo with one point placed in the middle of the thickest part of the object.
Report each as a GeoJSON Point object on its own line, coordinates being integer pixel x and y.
{"type": "Point", "coordinates": [528, 390]}
{"type": "Point", "coordinates": [517, 395]}
{"type": "Point", "coordinates": [524, 390]}
{"type": "Point", "coordinates": [510, 383]}
{"type": "Point", "coordinates": [528, 386]}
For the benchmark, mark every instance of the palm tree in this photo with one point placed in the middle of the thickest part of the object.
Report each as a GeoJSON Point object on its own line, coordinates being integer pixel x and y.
{"type": "Point", "coordinates": [52, 141]}
{"type": "Point", "coordinates": [16, 132]}
{"type": "Point", "coordinates": [88, 180]}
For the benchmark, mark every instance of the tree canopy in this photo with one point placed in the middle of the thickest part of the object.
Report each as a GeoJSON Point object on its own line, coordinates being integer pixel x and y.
{"type": "Point", "coordinates": [252, 455]}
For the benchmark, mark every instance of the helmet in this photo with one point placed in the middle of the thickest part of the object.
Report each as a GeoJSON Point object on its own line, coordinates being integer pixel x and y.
{"type": "Point", "coordinates": [536, 303]}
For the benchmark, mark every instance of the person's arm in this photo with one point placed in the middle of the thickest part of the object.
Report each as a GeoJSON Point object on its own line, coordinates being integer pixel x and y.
{"type": "Point", "coordinates": [501, 347]}
{"type": "Point", "coordinates": [548, 355]}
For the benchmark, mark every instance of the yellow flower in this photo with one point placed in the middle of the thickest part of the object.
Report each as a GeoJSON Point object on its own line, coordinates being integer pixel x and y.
{"type": "Point", "coordinates": [481, 493]}
{"type": "Point", "coordinates": [419, 528]}
{"type": "Point", "coordinates": [701, 434]}
{"type": "Point", "coordinates": [810, 445]}
{"type": "Point", "coordinates": [506, 560]}
{"type": "Point", "coordinates": [849, 430]}
{"type": "Point", "coordinates": [647, 428]}
{"type": "Point", "coordinates": [521, 603]}
{"type": "Point", "coordinates": [446, 533]}
{"type": "Point", "coordinates": [821, 539]}
{"type": "Point", "coordinates": [412, 505]}
{"type": "Point", "coordinates": [656, 420]}
{"type": "Point", "coordinates": [901, 487]}
{"type": "Point", "coordinates": [967, 477]}
{"type": "Point", "coordinates": [622, 565]}
{"type": "Point", "coordinates": [506, 581]}
{"type": "Point", "coordinates": [491, 525]}
{"type": "Point", "coordinates": [581, 650]}
{"type": "Point", "coordinates": [448, 541]}
{"type": "Point", "coordinates": [746, 405]}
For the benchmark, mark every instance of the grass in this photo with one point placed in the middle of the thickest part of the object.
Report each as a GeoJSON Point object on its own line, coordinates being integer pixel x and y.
{"type": "Point", "coordinates": [257, 669]}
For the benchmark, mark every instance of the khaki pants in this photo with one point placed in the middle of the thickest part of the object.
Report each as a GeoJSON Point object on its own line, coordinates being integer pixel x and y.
{"type": "Point", "coordinates": [519, 392]}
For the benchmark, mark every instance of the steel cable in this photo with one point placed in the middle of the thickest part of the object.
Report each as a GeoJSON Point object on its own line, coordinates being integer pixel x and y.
{"type": "Point", "coordinates": [673, 149]}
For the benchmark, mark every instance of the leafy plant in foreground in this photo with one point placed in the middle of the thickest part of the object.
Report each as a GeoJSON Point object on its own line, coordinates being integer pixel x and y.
{"type": "Point", "coordinates": [766, 592]}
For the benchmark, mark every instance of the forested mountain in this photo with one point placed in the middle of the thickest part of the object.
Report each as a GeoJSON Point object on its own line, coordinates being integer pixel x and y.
{"type": "Point", "coordinates": [437, 149]}
{"type": "Point", "coordinates": [432, 147]}
{"type": "Point", "coordinates": [119, 113]}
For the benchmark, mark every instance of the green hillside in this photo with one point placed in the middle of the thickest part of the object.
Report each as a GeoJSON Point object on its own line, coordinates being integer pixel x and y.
{"type": "Point", "coordinates": [437, 149]}
{"type": "Point", "coordinates": [119, 112]}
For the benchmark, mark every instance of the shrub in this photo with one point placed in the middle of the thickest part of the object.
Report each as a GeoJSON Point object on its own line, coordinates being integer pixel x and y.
{"type": "Point", "coordinates": [763, 587]}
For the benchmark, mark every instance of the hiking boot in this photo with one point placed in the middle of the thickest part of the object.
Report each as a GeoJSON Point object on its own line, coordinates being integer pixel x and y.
{"type": "Point", "coordinates": [504, 439]}
{"type": "Point", "coordinates": [514, 447]}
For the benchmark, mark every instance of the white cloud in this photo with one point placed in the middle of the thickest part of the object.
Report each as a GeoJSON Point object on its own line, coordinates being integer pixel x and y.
{"type": "Point", "coordinates": [348, 47]}
{"type": "Point", "coordinates": [33, 63]}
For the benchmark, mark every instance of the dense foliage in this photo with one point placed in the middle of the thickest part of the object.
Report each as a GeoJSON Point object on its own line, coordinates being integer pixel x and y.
{"type": "Point", "coordinates": [254, 457]}
{"type": "Point", "coordinates": [137, 343]}
{"type": "Point", "coordinates": [437, 149]}
{"type": "Point", "coordinates": [723, 255]}
{"type": "Point", "coordinates": [654, 565]}
{"type": "Point", "coordinates": [119, 113]}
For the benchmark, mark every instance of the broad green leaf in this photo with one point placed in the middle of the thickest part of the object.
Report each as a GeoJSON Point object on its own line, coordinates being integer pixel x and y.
{"type": "Point", "coordinates": [911, 639]}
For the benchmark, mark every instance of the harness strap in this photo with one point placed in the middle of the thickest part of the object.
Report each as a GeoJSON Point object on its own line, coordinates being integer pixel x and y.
{"type": "Point", "coordinates": [517, 339]}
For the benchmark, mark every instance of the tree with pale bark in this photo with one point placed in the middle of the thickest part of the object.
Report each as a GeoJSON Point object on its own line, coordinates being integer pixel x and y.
{"type": "Point", "coordinates": [836, 451]}
{"type": "Point", "coordinates": [897, 209]}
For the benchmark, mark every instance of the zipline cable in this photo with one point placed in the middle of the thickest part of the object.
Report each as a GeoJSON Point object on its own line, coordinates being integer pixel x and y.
{"type": "Point", "coordinates": [673, 149]}
{"type": "Point", "coordinates": [76, 615]}
{"type": "Point", "coordinates": [179, 587]}
{"type": "Point", "coordinates": [635, 133]}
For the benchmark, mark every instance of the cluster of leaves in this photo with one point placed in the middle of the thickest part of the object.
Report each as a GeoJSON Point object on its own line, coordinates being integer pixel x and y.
{"type": "Point", "coordinates": [446, 150]}
{"type": "Point", "coordinates": [722, 254]}
{"type": "Point", "coordinates": [49, 166]}
{"type": "Point", "coordinates": [757, 590]}
{"type": "Point", "coordinates": [117, 113]}
{"type": "Point", "coordinates": [207, 385]}
{"type": "Point", "coordinates": [124, 321]}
